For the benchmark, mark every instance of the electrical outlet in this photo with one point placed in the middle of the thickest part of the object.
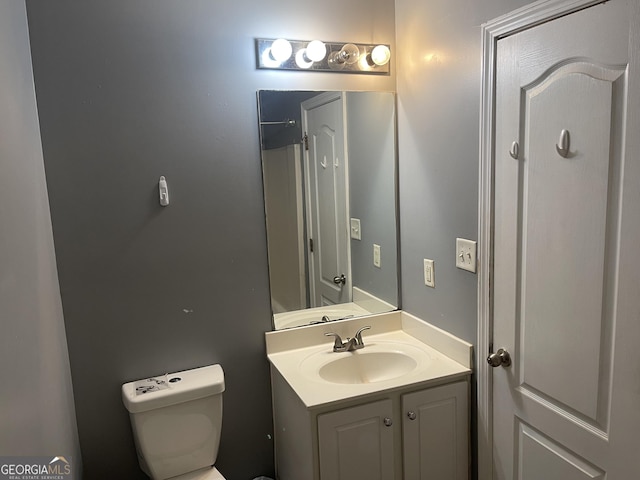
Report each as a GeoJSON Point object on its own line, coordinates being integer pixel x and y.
{"type": "Point", "coordinates": [466, 254]}
{"type": "Point", "coordinates": [376, 255]}
{"type": "Point", "coordinates": [429, 273]}
{"type": "Point", "coordinates": [356, 233]}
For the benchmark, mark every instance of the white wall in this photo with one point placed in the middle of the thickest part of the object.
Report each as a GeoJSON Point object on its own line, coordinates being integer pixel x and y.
{"type": "Point", "coordinates": [36, 402]}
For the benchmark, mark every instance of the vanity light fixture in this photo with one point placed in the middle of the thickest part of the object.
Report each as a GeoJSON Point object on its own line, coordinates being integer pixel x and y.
{"type": "Point", "coordinates": [318, 56]}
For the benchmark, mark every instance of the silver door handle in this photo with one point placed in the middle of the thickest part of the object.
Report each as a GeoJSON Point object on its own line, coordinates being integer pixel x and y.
{"type": "Point", "coordinates": [499, 359]}
{"type": "Point", "coordinates": [340, 279]}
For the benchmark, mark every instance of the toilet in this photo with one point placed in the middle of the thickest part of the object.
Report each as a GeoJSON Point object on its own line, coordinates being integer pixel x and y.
{"type": "Point", "coordinates": [176, 420]}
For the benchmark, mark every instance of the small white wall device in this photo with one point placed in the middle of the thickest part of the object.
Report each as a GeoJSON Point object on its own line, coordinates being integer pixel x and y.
{"type": "Point", "coordinates": [164, 191]}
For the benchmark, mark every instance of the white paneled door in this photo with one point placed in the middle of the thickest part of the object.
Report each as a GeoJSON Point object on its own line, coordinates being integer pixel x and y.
{"type": "Point", "coordinates": [566, 248]}
{"type": "Point", "coordinates": [326, 182]}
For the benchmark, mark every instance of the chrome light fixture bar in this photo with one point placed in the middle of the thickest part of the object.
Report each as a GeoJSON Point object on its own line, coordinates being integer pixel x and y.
{"type": "Point", "coordinates": [317, 56]}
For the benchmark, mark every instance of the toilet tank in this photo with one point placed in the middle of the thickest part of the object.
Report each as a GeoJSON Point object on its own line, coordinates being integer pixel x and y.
{"type": "Point", "coordinates": [176, 420]}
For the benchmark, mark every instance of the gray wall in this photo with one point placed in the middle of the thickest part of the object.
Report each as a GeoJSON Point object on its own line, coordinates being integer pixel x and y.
{"type": "Point", "coordinates": [372, 193]}
{"type": "Point", "coordinates": [439, 63]}
{"type": "Point", "coordinates": [131, 90]}
{"type": "Point", "coordinates": [439, 57]}
{"type": "Point", "coordinates": [36, 404]}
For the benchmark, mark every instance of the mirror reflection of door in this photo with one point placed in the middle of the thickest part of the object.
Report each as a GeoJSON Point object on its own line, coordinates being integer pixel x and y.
{"type": "Point", "coordinates": [326, 180]}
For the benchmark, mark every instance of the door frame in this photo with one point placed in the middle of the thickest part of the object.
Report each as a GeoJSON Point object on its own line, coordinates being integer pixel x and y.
{"type": "Point", "coordinates": [492, 31]}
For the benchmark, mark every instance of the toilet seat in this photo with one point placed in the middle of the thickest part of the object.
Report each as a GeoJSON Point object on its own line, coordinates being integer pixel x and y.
{"type": "Point", "coordinates": [209, 473]}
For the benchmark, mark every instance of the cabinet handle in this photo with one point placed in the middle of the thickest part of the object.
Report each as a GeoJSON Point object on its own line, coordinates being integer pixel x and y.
{"type": "Point", "coordinates": [411, 415]}
{"type": "Point", "coordinates": [388, 422]}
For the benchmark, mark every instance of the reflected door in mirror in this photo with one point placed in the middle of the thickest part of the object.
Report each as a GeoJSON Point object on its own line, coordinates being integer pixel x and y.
{"type": "Point", "coordinates": [326, 173]}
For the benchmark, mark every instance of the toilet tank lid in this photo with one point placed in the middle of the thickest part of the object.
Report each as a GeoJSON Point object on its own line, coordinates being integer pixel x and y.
{"type": "Point", "coordinates": [172, 388]}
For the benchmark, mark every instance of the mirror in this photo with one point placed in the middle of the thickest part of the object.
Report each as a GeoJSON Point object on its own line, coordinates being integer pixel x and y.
{"type": "Point", "coordinates": [330, 186]}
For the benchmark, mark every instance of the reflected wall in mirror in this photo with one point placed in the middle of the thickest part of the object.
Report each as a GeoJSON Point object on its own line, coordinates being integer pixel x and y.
{"type": "Point", "coordinates": [329, 171]}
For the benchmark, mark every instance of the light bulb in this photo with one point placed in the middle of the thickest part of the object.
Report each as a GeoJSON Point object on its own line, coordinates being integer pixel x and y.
{"type": "Point", "coordinates": [381, 55]}
{"type": "Point", "coordinates": [349, 53]}
{"type": "Point", "coordinates": [316, 50]}
{"type": "Point", "coordinates": [302, 59]}
{"type": "Point", "coordinates": [281, 50]}
{"type": "Point", "coordinates": [268, 61]}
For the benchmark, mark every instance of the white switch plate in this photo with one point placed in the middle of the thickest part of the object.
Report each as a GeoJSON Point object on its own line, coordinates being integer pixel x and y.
{"type": "Point", "coordinates": [466, 254]}
{"type": "Point", "coordinates": [429, 273]}
{"type": "Point", "coordinates": [376, 255]}
{"type": "Point", "coordinates": [356, 233]}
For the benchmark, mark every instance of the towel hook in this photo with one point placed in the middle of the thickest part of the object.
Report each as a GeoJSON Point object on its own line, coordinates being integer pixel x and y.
{"type": "Point", "coordinates": [562, 147]}
{"type": "Point", "coordinates": [515, 148]}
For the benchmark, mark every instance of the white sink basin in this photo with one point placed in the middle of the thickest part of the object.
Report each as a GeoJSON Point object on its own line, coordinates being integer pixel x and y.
{"type": "Point", "coordinates": [367, 367]}
{"type": "Point", "coordinates": [378, 361]}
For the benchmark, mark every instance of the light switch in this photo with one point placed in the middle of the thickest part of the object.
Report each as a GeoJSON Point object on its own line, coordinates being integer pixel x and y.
{"type": "Point", "coordinates": [376, 255]}
{"type": "Point", "coordinates": [466, 254]}
{"type": "Point", "coordinates": [429, 273]}
{"type": "Point", "coordinates": [356, 233]}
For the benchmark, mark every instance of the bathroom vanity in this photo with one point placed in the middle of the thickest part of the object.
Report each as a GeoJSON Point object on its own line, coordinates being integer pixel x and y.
{"type": "Point", "coordinates": [396, 408]}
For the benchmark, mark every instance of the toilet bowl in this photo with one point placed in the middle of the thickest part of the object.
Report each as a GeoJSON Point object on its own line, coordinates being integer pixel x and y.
{"type": "Point", "coordinates": [176, 421]}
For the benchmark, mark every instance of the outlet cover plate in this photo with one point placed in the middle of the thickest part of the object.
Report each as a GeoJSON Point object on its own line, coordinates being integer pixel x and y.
{"type": "Point", "coordinates": [466, 254]}
{"type": "Point", "coordinates": [356, 233]}
{"type": "Point", "coordinates": [376, 255]}
{"type": "Point", "coordinates": [429, 273]}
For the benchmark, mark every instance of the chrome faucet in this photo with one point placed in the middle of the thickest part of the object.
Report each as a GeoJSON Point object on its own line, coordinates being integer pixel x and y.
{"type": "Point", "coordinates": [351, 344]}
{"type": "Point", "coordinates": [324, 319]}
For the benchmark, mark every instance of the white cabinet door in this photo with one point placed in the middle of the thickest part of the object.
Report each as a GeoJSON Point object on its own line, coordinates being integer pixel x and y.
{"type": "Point", "coordinates": [436, 433]}
{"type": "Point", "coordinates": [356, 443]}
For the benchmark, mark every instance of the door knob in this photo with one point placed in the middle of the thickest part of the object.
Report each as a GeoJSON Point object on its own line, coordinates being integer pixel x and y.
{"type": "Point", "coordinates": [340, 279]}
{"type": "Point", "coordinates": [500, 358]}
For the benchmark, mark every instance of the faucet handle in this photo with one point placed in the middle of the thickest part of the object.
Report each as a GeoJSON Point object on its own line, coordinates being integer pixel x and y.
{"type": "Point", "coordinates": [358, 335]}
{"type": "Point", "coordinates": [337, 344]}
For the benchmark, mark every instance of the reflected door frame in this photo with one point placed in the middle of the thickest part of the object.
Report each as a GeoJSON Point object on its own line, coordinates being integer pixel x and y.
{"type": "Point", "coordinates": [514, 22]}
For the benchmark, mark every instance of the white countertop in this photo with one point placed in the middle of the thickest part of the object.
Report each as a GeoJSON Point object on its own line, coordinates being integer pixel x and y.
{"type": "Point", "coordinates": [299, 354]}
